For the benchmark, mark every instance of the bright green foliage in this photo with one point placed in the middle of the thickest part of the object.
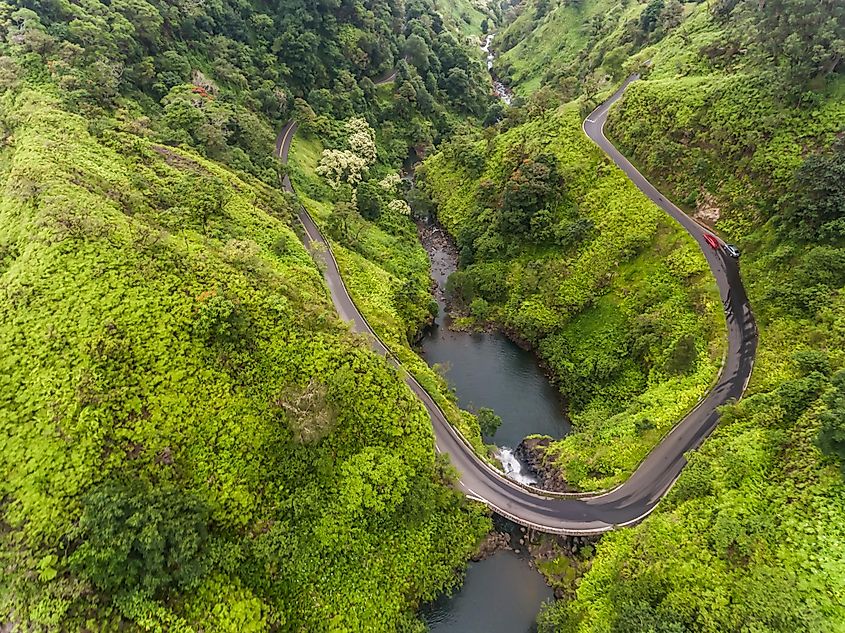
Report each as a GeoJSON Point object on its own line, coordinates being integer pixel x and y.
{"type": "Point", "coordinates": [576, 43]}
{"type": "Point", "coordinates": [751, 536]}
{"type": "Point", "coordinates": [488, 421]}
{"type": "Point", "coordinates": [386, 271]}
{"type": "Point", "coordinates": [832, 432]}
{"type": "Point", "coordinates": [564, 251]}
{"type": "Point", "coordinates": [733, 140]}
{"type": "Point", "coordinates": [191, 440]}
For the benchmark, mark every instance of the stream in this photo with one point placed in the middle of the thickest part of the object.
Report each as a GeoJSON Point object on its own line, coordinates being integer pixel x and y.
{"type": "Point", "coordinates": [502, 91]}
{"type": "Point", "coordinates": [487, 369]}
{"type": "Point", "coordinates": [500, 594]}
{"type": "Point", "coordinates": [503, 593]}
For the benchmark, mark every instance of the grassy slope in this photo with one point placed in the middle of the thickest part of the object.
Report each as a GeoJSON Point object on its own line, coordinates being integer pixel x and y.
{"type": "Point", "coordinates": [532, 49]}
{"type": "Point", "coordinates": [725, 132]}
{"type": "Point", "coordinates": [555, 39]}
{"type": "Point", "coordinates": [465, 15]}
{"type": "Point", "coordinates": [751, 538]}
{"type": "Point", "coordinates": [582, 306]}
{"type": "Point", "coordinates": [107, 374]}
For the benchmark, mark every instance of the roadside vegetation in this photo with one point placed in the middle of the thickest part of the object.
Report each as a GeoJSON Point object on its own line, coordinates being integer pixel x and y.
{"type": "Point", "coordinates": [190, 439]}
{"type": "Point", "coordinates": [739, 118]}
{"type": "Point", "coordinates": [383, 265]}
{"type": "Point", "coordinates": [560, 250]}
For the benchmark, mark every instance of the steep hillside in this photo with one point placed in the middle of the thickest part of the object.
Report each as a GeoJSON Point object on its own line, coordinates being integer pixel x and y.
{"type": "Point", "coordinates": [190, 437]}
{"type": "Point", "coordinates": [739, 117]}
{"type": "Point", "coordinates": [578, 46]}
{"type": "Point", "coordinates": [727, 124]}
{"type": "Point", "coordinates": [561, 250]}
{"type": "Point", "coordinates": [256, 65]}
{"type": "Point", "coordinates": [374, 240]}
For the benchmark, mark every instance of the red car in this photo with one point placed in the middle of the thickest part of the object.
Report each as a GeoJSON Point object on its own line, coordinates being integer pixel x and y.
{"type": "Point", "coordinates": [711, 240]}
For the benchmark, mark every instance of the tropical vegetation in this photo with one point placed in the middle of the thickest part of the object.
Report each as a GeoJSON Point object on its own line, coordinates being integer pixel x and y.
{"type": "Point", "coordinates": [739, 118]}
{"type": "Point", "coordinates": [561, 250]}
{"type": "Point", "coordinates": [190, 438]}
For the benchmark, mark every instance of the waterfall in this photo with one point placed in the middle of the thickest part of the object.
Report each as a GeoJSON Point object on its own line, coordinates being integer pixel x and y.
{"type": "Point", "coordinates": [486, 48]}
{"type": "Point", "coordinates": [513, 467]}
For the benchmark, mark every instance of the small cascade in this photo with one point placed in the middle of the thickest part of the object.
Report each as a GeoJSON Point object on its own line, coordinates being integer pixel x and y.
{"type": "Point", "coordinates": [514, 468]}
{"type": "Point", "coordinates": [486, 48]}
{"type": "Point", "coordinates": [502, 91]}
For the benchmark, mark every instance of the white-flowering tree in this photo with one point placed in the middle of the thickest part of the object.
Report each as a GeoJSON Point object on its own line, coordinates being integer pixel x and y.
{"type": "Point", "coordinates": [342, 166]}
{"type": "Point", "coordinates": [389, 182]}
{"type": "Point", "coordinates": [399, 206]}
{"type": "Point", "coordinates": [350, 165]}
{"type": "Point", "coordinates": [362, 139]}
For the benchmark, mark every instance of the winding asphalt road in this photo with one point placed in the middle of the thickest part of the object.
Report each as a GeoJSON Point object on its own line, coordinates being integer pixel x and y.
{"type": "Point", "coordinates": [631, 502]}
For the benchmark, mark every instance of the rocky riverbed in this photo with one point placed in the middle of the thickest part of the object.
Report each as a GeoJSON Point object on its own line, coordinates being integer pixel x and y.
{"type": "Point", "coordinates": [532, 453]}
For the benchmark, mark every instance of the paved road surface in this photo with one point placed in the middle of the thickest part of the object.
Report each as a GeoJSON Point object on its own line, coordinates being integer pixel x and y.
{"type": "Point", "coordinates": [638, 496]}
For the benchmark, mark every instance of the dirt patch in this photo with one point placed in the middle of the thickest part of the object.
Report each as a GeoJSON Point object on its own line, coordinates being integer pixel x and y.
{"type": "Point", "coordinates": [177, 160]}
{"type": "Point", "coordinates": [707, 208]}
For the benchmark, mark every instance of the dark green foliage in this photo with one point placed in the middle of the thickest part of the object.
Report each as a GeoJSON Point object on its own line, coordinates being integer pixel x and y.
{"type": "Point", "coordinates": [797, 395]}
{"type": "Point", "coordinates": [370, 200]}
{"type": "Point", "coordinates": [815, 208]}
{"type": "Point", "coordinates": [532, 185]}
{"type": "Point", "coordinates": [417, 52]}
{"type": "Point", "coordinates": [495, 113]}
{"type": "Point", "coordinates": [811, 361]}
{"type": "Point", "coordinates": [465, 150]}
{"type": "Point", "coordinates": [137, 537]}
{"type": "Point", "coordinates": [488, 421]}
{"type": "Point", "coordinates": [226, 76]}
{"type": "Point", "coordinates": [410, 305]}
{"type": "Point", "coordinates": [649, 17]}
{"type": "Point", "coordinates": [682, 357]}
{"type": "Point", "coordinates": [220, 321]}
{"type": "Point", "coordinates": [832, 433]}
{"type": "Point", "coordinates": [803, 37]}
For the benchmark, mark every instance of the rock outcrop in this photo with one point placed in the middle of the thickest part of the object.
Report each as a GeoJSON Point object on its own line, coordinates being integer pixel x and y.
{"type": "Point", "coordinates": [532, 453]}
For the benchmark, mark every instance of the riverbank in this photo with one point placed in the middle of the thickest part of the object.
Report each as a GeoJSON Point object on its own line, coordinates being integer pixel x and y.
{"type": "Point", "coordinates": [526, 461]}
{"type": "Point", "coordinates": [514, 572]}
{"type": "Point", "coordinates": [486, 367]}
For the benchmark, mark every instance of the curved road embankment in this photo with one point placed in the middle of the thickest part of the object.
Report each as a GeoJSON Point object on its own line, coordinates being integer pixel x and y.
{"type": "Point", "coordinates": [632, 501]}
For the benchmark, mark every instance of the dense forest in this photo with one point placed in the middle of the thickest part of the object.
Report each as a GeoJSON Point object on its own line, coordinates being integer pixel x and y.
{"type": "Point", "coordinates": [191, 439]}
{"type": "Point", "coordinates": [562, 250]}
{"type": "Point", "coordinates": [739, 118]}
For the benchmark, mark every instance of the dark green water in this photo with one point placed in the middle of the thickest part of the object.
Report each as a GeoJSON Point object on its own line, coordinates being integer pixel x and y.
{"type": "Point", "coordinates": [487, 369]}
{"type": "Point", "coordinates": [501, 594]}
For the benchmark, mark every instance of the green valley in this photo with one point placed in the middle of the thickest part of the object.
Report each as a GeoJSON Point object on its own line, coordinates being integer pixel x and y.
{"type": "Point", "coordinates": [193, 439]}
{"type": "Point", "coordinates": [739, 122]}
